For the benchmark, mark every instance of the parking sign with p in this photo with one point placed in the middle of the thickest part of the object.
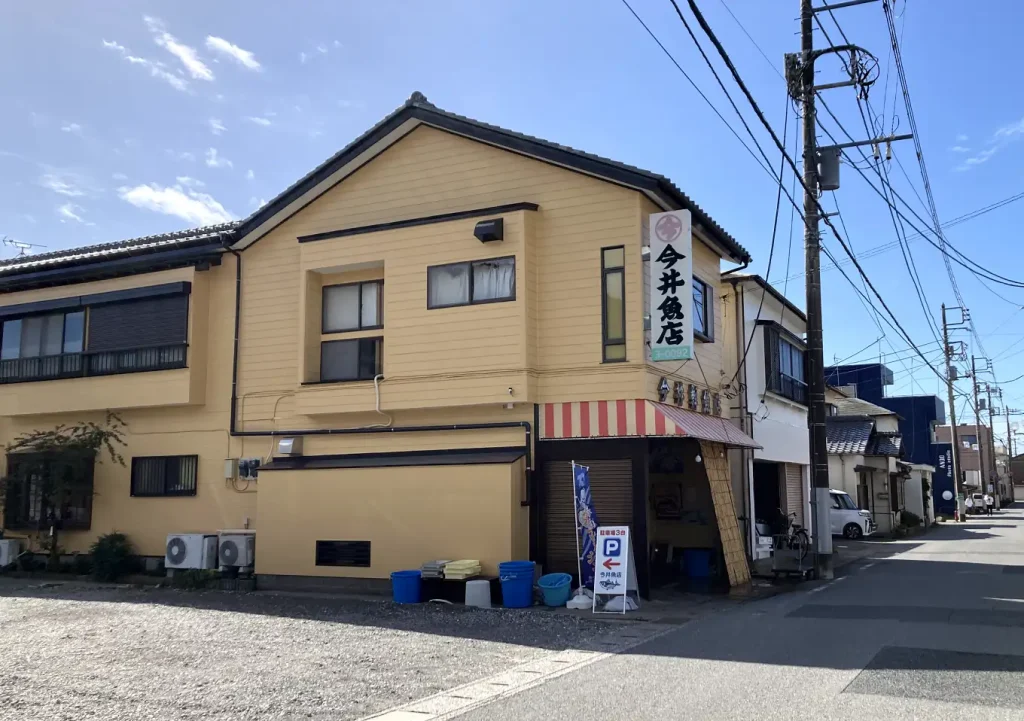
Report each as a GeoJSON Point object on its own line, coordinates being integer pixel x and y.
{"type": "Point", "coordinates": [612, 547]}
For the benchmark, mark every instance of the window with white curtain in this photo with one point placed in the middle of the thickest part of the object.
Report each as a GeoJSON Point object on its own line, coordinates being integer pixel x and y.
{"type": "Point", "coordinates": [478, 281]}
{"type": "Point", "coordinates": [354, 306]}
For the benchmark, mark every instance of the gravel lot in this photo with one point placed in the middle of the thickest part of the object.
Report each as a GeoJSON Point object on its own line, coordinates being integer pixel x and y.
{"type": "Point", "coordinates": [90, 652]}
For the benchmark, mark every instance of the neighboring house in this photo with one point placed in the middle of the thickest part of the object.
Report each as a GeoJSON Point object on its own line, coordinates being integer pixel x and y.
{"type": "Point", "coordinates": [764, 353]}
{"type": "Point", "coordinates": [916, 479]}
{"type": "Point", "coordinates": [919, 415]}
{"type": "Point", "coordinates": [975, 450]}
{"type": "Point", "coordinates": [1017, 476]}
{"type": "Point", "coordinates": [864, 450]}
{"type": "Point", "coordinates": [441, 316]}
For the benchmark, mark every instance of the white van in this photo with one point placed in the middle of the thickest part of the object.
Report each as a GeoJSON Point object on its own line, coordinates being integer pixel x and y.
{"type": "Point", "coordinates": [848, 520]}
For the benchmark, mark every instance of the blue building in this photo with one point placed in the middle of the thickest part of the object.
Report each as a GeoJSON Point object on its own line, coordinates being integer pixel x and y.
{"type": "Point", "coordinates": [918, 417]}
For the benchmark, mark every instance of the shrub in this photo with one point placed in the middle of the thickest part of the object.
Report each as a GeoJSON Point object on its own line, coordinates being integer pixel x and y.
{"type": "Point", "coordinates": [910, 519]}
{"type": "Point", "coordinates": [112, 557]}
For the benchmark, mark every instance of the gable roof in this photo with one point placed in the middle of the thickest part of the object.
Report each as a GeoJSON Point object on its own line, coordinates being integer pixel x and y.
{"type": "Point", "coordinates": [146, 252]}
{"type": "Point", "coordinates": [417, 111]}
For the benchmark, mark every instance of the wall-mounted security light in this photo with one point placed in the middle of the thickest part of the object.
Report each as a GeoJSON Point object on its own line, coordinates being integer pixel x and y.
{"type": "Point", "coordinates": [490, 230]}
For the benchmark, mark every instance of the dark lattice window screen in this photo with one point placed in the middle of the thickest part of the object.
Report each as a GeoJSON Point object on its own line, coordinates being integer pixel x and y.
{"type": "Point", "coordinates": [343, 553]}
{"type": "Point", "coordinates": [139, 324]}
{"type": "Point", "coordinates": [165, 475]}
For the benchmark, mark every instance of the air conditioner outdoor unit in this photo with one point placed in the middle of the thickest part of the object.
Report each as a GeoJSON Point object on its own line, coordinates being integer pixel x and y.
{"type": "Point", "coordinates": [9, 550]}
{"type": "Point", "coordinates": [237, 548]}
{"type": "Point", "coordinates": [191, 550]}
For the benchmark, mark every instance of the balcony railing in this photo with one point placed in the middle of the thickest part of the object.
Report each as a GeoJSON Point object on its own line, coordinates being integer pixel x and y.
{"type": "Point", "coordinates": [93, 363]}
{"type": "Point", "coordinates": [788, 387]}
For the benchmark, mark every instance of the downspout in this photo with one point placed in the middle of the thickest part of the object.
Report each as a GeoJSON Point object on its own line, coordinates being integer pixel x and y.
{"type": "Point", "coordinates": [525, 425]}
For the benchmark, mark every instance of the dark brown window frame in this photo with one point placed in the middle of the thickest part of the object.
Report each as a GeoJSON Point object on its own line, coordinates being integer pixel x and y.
{"type": "Point", "coordinates": [379, 282]}
{"type": "Point", "coordinates": [380, 358]}
{"type": "Point", "coordinates": [469, 264]}
{"type": "Point", "coordinates": [709, 312]}
{"type": "Point", "coordinates": [605, 272]}
{"type": "Point", "coordinates": [165, 494]}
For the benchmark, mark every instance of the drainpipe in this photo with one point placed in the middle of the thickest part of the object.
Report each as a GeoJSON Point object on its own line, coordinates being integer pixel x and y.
{"type": "Point", "coordinates": [525, 425]}
{"type": "Point", "coordinates": [738, 268]}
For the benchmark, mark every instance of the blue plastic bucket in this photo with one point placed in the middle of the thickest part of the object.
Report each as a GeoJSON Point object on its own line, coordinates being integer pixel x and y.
{"type": "Point", "coordinates": [698, 562]}
{"type": "Point", "coordinates": [516, 583]}
{"type": "Point", "coordinates": [405, 586]}
{"type": "Point", "coordinates": [556, 588]}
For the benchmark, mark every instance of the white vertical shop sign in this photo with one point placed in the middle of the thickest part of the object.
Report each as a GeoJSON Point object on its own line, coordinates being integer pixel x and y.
{"type": "Point", "coordinates": [671, 290]}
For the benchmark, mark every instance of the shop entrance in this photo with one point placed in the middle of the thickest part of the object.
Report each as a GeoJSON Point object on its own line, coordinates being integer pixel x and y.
{"type": "Point", "coordinates": [683, 533]}
{"type": "Point", "coordinates": [768, 499]}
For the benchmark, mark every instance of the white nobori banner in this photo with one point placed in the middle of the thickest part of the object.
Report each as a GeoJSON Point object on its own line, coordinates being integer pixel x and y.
{"type": "Point", "coordinates": [671, 286]}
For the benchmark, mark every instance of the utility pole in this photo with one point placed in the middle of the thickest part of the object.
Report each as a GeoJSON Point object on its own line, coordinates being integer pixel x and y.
{"type": "Point", "coordinates": [815, 343]}
{"type": "Point", "coordinates": [993, 466]}
{"type": "Point", "coordinates": [957, 484]}
{"type": "Point", "coordinates": [1009, 449]}
{"type": "Point", "coordinates": [977, 428]}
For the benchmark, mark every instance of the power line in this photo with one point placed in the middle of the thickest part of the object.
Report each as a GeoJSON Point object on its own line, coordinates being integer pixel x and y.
{"type": "Point", "coordinates": [775, 138]}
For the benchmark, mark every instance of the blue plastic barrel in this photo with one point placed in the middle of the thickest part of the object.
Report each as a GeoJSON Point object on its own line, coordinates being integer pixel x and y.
{"type": "Point", "coordinates": [698, 562]}
{"type": "Point", "coordinates": [556, 588]}
{"type": "Point", "coordinates": [405, 586]}
{"type": "Point", "coordinates": [516, 583]}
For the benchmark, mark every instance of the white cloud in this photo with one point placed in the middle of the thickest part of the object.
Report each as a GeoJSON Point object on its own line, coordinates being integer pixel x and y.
{"type": "Point", "coordinates": [73, 128]}
{"type": "Point", "coordinates": [960, 149]}
{"type": "Point", "coordinates": [245, 58]}
{"type": "Point", "coordinates": [1011, 130]}
{"type": "Point", "coordinates": [303, 58]}
{"type": "Point", "coordinates": [249, 174]}
{"type": "Point", "coordinates": [337, 43]}
{"type": "Point", "coordinates": [70, 211]}
{"type": "Point", "coordinates": [30, 218]}
{"type": "Point", "coordinates": [258, 120]}
{"type": "Point", "coordinates": [156, 69]}
{"type": "Point", "coordinates": [257, 202]}
{"type": "Point", "coordinates": [187, 204]}
{"type": "Point", "coordinates": [119, 176]}
{"type": "Point", "coordinates": [961, 138]}
{"type": "Point", "coordinates": [184, 155]}
{"type": "Point", "coordinates": [216, 126]}
{"type": "Point", "coordinates": [214, 160]}
{"type": "Point", "coordinates": [189, 182]}
{"type": "Point", "coordinates": [322, 49]}
{"type": "Point", "coordinates": [62, 184]}
{"type": "Point", "coordinates": [185, 54]}
{"type": "Point", "coordinates": [1001, 138]}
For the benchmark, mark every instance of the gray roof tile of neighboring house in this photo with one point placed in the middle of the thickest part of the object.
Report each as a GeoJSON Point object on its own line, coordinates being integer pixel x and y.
{"type": "Point", "coordinates": [859, 407]}
{"type": "Point", "coordinates": [419, 107]}
{"type": "Point", "coordinates": [211, 234]}
{"type": "Point", "coordinates": [884, 444]}
{"type": "Point", "coordinates": [848, 435]}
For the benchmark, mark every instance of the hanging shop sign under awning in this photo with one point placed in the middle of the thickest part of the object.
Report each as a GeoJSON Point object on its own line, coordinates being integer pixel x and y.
{"type": "Point", "coordinates": [636, 418]}
{"type": "Point", "coordinates": [671, 269]}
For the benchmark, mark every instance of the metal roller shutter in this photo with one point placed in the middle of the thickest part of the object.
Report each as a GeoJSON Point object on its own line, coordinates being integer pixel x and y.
{"type": "Point", "coordinates": [140, 323]}
{"type": "Point", "coordinates": [795, 492]}
{"type": "Point", "coordinates": [611, 484]}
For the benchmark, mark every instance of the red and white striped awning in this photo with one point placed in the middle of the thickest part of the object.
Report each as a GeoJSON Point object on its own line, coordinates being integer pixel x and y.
{"type": "Point", "coordinates": [635, 418]}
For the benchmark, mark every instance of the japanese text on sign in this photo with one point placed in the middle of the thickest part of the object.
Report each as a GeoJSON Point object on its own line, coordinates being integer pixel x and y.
{"type": "Point", "coordinates": [671, 275]}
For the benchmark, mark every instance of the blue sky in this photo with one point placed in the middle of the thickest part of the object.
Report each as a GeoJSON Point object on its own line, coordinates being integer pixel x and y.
{"type": "Point", "coordinates": [123, 119]}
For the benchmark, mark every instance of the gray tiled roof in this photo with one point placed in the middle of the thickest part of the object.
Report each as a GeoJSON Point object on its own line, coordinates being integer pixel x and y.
{"type": "Point", "coordinates": [884, 444]}
{"type": "Point", "coordinates": [211, 234]}
{"type": "Point", "coordinates": [859, 407]}
{"type": "Point", "coordinates": [848, 435]}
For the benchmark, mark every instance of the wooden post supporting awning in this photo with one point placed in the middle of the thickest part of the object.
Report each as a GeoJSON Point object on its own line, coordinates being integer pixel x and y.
{"type": "Point", "coordinates": [636, 418]}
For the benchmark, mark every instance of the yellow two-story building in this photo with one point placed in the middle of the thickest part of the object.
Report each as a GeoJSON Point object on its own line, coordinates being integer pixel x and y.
{"type": "Point", "coordinates": [413, 341]}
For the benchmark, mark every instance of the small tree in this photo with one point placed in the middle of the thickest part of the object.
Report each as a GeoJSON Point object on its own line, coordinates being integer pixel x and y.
{"type": "Point", "coordinates": [59, 461]}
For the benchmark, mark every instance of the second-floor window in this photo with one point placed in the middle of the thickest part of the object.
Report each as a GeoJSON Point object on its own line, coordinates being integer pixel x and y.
{"type": "Point", "coordinates": [784, 365]}
{"type": "Point", "coordinates": [613, 303]}
{"type": "Point", "coordinates": [703, 311]}
{"type": "Point", "coordinates": [358, 359]}
{"type": "Point", "coordinates": [42, 335]}
{"type": "Point", "coordinates": [117, 332]}
{"type": "Point", "coordinates": [353, 306]}
{"type": "Point", "coordinates": [470, 283]}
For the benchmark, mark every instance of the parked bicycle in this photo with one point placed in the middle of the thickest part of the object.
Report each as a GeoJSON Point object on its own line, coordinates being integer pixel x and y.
{"type": "Point", "coordinates": [795, 537]}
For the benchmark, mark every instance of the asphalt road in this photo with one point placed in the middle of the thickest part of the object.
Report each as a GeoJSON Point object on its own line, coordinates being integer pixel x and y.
{"type": "Point", "coordinates": [929, 628]}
